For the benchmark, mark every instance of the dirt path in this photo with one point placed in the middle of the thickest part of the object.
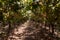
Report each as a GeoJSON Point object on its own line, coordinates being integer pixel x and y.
{"type": "Point", "coordinates": [21, 31]}
{"type": "Point", "coordinates": [17, 32]}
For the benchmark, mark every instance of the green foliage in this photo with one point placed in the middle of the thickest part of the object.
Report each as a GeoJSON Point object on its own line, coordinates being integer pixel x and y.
{"type": "Point", "coordinates": [16, 10]}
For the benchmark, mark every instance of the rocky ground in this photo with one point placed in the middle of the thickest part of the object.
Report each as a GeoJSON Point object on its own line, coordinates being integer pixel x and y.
{"type": "Point", "coordinates": [30, 30]}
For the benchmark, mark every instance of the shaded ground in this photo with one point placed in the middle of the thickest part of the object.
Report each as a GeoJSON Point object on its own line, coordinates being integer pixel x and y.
{"type": "Point", "coordinates": [30, 30]}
